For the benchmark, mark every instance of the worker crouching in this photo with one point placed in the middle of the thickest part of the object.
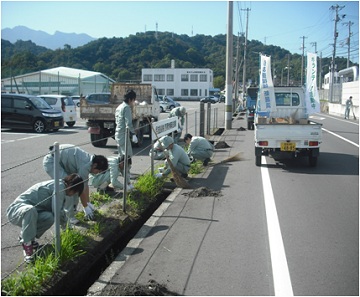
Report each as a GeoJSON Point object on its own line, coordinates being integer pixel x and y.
{"type": "Point", "coordinates": [177, 157]}
{"type": "Point", "coordinates": [199, 148]}
{"type": "Point", "coordinates": [33, 210]}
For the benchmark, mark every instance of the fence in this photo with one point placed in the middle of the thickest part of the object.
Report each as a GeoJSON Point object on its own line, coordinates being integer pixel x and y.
{"type": "Point", "coordinates": [205, 121]}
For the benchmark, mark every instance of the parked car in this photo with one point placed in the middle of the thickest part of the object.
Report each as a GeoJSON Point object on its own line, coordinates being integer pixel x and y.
{"type": "Point", "coordinates": [76, 100]}
{"type": "Point", "coordinates": [65, 104]}
{"type": "Point", "coordinates": [222, 98]}
{"type": "Point", "coordinates": [98, 98]}
{"type": "Point", "coordinates": [29, 112]}
{"type": "Point", "coordinates": [163, 106]}
{"type": "Point", "coordinates": [170, 102]}
{"type": "Point", "coordinates": [211, 99]}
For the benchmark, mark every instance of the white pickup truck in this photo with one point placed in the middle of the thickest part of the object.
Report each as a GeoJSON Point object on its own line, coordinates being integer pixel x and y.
{"type": "Point", "coordinates": [287, 132]}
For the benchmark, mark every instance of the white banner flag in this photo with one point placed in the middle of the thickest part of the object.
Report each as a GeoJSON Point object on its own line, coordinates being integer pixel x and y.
{"type": "Point", "coordinates": [312, 96]}
{"type": "Point", "coordinates": [266, 90]}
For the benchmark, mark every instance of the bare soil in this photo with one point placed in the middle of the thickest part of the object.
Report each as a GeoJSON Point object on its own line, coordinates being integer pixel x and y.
{"type": "Point", "coordinates": [203, 192]}
{"type": "Point", "coordinates": [151, 289]}
{"type": "Point", "coordinates": [221, 144]}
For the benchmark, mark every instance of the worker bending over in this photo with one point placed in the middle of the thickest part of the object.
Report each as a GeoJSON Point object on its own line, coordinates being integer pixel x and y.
{"type": "Point", "coordinates": [177, 156]}
{"type": "Point", "coordinates": [199, 148]}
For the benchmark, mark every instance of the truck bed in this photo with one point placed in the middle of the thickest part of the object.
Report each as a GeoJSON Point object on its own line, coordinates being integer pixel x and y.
{"type": "Point", "coordinates": [300, 134]}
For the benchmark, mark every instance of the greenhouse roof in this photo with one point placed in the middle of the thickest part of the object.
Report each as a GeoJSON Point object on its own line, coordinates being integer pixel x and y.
{"type": "Point", "coordinates": [73, 72]}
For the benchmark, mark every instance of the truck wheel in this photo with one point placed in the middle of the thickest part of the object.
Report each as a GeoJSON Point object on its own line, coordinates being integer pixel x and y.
{"type": "Point", "coordinates": [98, 140]}
{"type": "Point", "coordinates": [258, 160]}
{"type": "Point", "coordinates": [312, 161]}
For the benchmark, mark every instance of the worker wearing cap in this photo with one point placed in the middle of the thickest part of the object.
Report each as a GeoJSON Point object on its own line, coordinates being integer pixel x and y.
{"type": "Point", "coordinates": [73, 159]}
{"type": "Point", "coordinates": [199, 148]}
{"type": "Point", "coordinates": [33, 210]}
{"type": "Point", "coordinates": [158, 151]}
{"type": "Point", "coordinates": [108, 180]}
{"type": "Point", "coordinates": [178, 112]}
{"type": "Point", "coordinates": [177, 156]}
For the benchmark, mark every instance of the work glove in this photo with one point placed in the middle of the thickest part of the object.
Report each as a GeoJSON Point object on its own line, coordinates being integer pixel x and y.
{"type": "Point", "coordinates": [89, 213]}
{"type": "Point", "coordinates": [134, 139]}
{"type": "Point", "coordinates": [158, 175]}
{"type": "Point", "coordinates": [92, 207]}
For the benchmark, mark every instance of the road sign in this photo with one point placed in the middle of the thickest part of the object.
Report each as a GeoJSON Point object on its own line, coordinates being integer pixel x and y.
{"type": "Point", "coordinates": [164, 127]}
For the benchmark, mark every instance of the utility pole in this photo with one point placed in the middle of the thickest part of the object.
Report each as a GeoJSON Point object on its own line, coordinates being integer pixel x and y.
{"type": "Point", "coordinates": [237, 69]}
{"type": "Point", "coordinates": [288, 69]}
{"type": "Point", "coordinates": [349, 24]}
{"type": "Point", "coordinates": [302, 60]}
{"type": "Point", "coordinates": [245, 46]}
{"type": "Point", "coordinates": [229, 68]}
{"type": "Point", "coordinates": [336, 8]}
{"type": "Point", "coordinates": [320, 71]}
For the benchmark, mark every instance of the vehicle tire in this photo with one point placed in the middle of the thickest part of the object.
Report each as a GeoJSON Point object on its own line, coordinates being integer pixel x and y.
{"type": "Point", "coordinates": [171, 107]}
{"type": "Point", "coordinates": [258, 160]}
{"type": "Point", "coordinates": [70, 124]}
{"type": "Point", "coordinates": [39, 126]}
{"type": "Point", "coordinates": [312, 161]}
{"type": "Point", "coordinates": [161, 109]}
{"type": "Point", "coordinates": [78, 104]}
{"type": "Point", "coordinates": [249, 125]}
{"type": "Point", "coordinates": [98, 140]}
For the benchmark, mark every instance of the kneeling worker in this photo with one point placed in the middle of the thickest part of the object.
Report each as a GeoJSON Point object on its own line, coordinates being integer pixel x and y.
{"type": "Point", "coordinates": [33, 210]}
{"type": "Point", "coordinates": [177, 156]}
{"type": "Point", "coordinates": [199, 148]}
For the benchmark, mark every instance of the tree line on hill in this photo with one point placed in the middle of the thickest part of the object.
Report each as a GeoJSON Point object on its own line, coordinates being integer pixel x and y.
{"type": "Point", "coordinates": [123, 58]}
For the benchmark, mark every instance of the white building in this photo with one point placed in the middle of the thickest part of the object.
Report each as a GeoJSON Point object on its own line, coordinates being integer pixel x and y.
{"type": "Point", "coordinates": [59, 80]}
{"type": "Point", "coordinates": [180, 83]}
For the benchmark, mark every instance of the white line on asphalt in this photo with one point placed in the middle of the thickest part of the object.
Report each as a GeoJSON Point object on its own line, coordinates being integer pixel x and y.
{"type": "Point", "coordinates": [25, 138]}
{"type": "Point", "coordinates": [343, 138]}
{"type": "Point", "coordinates": [281, 275]}
{"type": "Point", "coordinates": [340, 119]}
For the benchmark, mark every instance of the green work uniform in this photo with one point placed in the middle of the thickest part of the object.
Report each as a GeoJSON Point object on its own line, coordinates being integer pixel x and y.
{"type": "Point", "coordinates": [179, 159]}
{"type": "Point", "coordinates": [109, 176]}
{"type": "Point", "coordinates": [123, 118]}
{"type": "Point", "coordinates": [33, 210]}
{"type": "Point", "coordinates": [200, 148]}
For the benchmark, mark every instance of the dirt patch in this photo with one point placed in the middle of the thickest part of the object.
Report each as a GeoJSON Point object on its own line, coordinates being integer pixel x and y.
{"type": "Point", "coordinates": [151, 289]}
{"type": "Point", "coordinates": [221, 144]}
{"type": "Point", "coordinates": [203, 192]}
{"type": "Point", "coordinates": [241, 129]}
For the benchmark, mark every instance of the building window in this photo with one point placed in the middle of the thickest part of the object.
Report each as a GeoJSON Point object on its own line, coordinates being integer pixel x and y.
{"type": "Point", "coordinates": [170, 92]}
{"type": "Point", "coordinates": [193, 77]}
{"type": "Point", "coordinates": [161, 92]}
{"type": "Point", "coordinates": [203, 77]}
{"type": "Point", "coordinates": [147, 77]}
{"type": "Point", "coordinates": [193, 92]}
{"type": "Point", "coordinates": [184, 92]}
{"type": "Point", "coordinates": [184, 77]}
{"type": "Point", "coordinates": [170, 77]}
{"type": "Point", "coordinates": [159, 77]}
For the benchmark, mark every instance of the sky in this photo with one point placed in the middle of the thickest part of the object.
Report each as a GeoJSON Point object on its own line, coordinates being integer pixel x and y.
{"type": "Point", "coordinates": [281, 23]}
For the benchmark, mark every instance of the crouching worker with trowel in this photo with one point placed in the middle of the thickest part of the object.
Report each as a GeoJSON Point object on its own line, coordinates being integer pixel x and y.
{"type": "Point", "coordinates": [33, 210]}
{"type": "Point", "coordinates": [75, 160]}
{"type": "Point", "coordinates": [177, 157]}
{"type": "Point", "coordinates": [108, 180]}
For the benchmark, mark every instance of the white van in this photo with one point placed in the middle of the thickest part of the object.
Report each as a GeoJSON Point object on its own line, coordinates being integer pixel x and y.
{"type": "Point", "coordinates": [65, 104]}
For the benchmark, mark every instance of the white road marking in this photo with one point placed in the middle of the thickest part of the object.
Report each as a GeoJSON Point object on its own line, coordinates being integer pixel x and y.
{"type": "Point", "coordinates": [19, 139]}
{"type": "Point", "coordinates": [281, 275]}
{"type": "Point", "coordinates": [343, 138]}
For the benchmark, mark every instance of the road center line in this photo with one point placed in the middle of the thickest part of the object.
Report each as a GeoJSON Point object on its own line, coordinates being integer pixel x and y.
{"type": "Point", "coordinates": [281, 275]}
{"type": "Point", "coordinates": [343, 138]}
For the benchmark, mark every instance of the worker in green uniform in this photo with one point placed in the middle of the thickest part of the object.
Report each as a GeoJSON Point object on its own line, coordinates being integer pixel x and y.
{"type": "Point", "coordinates": [178, 112]}
{"type": "Point", "coordinates": [108, 180]}
{"type": "Point", "coordinates": [199, 148]}
{"type": "Point", "coordinates": [73, 159]}
{"type": "Point", "coordinates": [123, 118]}
{"type": "Point", "coordinates": [177, 156]}
{"type": "Point", "coordinates": [33, 210]}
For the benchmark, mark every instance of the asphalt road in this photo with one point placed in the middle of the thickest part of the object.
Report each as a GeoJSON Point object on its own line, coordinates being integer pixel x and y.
{"type": "Point", "coordinates": [317, 209]}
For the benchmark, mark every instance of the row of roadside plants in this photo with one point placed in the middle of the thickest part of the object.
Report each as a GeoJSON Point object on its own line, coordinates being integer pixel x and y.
{"type": "Point", "coordinates": [34, 277]}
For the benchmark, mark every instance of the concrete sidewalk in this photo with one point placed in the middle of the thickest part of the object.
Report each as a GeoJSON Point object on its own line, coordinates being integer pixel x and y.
{"type": "Point", "coordinates": [188, 243]}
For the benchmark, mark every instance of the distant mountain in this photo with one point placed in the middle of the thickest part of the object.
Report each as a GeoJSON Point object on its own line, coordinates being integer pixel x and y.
{"type": "Point", "coordinates": [55, 41]}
